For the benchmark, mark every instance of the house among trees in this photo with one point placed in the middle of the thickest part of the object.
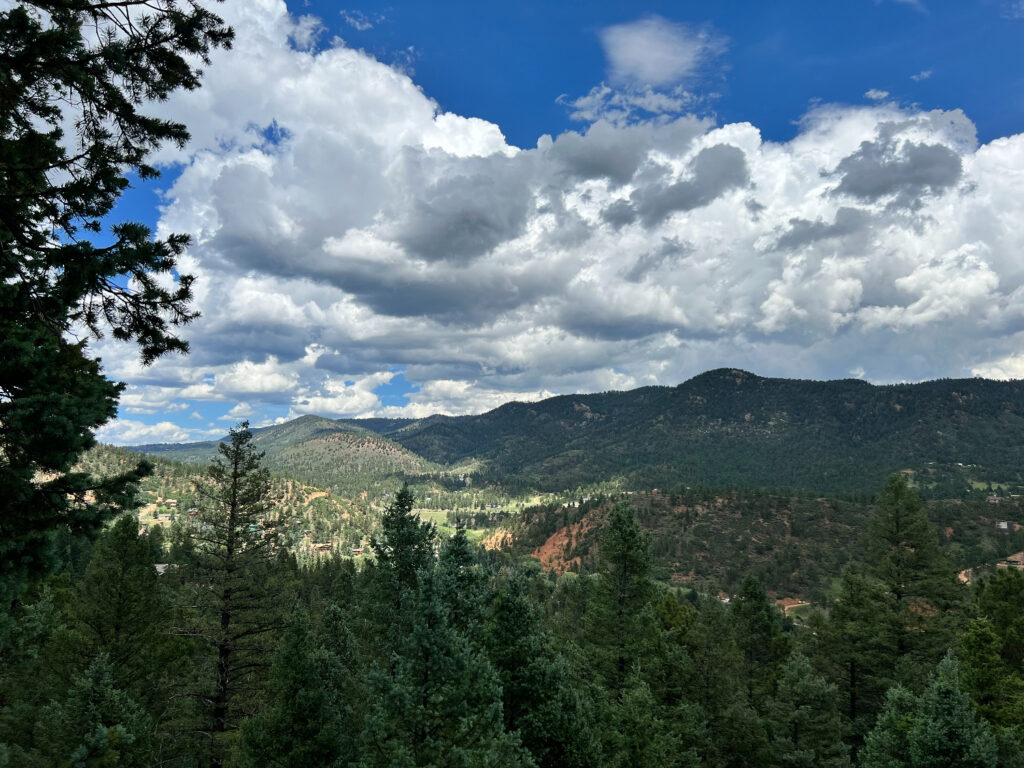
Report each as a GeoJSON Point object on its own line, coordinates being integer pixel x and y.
{"type": "Point", "coordinates": [787, 604]}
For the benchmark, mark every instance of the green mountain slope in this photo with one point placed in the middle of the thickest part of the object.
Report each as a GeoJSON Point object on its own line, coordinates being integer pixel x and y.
{"type": "Point", "coordinates": [315, 517]}
{"type": "Point", "coordinates": [724, 428]}
{"type": "Point", "coordinates": [729, 427]}
{"type": "Point", "coordinates": [517, 435]}
{"type": "Point", "coordinates": [342, 455]}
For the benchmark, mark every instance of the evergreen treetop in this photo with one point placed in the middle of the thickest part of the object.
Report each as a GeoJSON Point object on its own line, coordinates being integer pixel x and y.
{"type": "Point", "coordinates": [406, 543]}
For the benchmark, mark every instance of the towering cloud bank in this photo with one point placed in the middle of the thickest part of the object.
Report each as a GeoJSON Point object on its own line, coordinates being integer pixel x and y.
{"type": "Point", "coordinates": [344, 224]}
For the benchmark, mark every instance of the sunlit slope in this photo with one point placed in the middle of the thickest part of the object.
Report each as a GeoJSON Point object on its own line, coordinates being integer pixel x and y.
{"type": "Point", "coordinates": [319, 451]}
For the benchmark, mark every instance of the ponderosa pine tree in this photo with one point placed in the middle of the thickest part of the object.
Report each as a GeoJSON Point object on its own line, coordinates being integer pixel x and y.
{"type": "Point", "coordinates": [462, 585]}
{"type": "Point", "coordinates": [759, 634]}
{"type": "Point", "coordinates": [406, 543]}
{"type": "Point", "coordinates": [904, 555]}
{"type": "Point", "coordinates": [858, 645]}
{"type": "Point", "coordinates": [642, 738]}
{"type": "Point", "coordinates": [540, 697]}
{"type": "Point", "coordinates": [736, 735]}
{"type": "Point", "coordinates": [622, 619]}
{"type": "Point", "coordinates": [237, 589]}
{"type": "Point", "coordinates": [27, 679]}
{"type": "Point", "coordinates": [307, 716]}
{"type": "Point", "coordinates": [120, 608]}
{"type": "Point", "coordinates": [94, 66]}
{"type": "Point", "coordinates": [670, 673]}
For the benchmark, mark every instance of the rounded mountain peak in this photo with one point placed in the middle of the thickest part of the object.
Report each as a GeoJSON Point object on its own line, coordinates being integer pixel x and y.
{"type": "Point", "coordinates": [719, 376]}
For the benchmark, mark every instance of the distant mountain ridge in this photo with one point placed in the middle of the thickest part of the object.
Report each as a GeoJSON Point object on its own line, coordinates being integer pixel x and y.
{"type": "Point", "coordinates": [723, 427]}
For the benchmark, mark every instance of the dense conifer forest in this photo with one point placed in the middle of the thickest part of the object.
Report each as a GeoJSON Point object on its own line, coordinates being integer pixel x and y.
{"type": "Point", "coordinates": [439, 652]}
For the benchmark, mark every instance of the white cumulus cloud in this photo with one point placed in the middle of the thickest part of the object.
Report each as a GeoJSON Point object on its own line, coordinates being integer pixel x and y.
{"type": "Point", "coordinates": [130, 432]}
{"type": "Point", "coordinates": [656, 52]}
{"type": "Point", "coordinates": [378, 232]}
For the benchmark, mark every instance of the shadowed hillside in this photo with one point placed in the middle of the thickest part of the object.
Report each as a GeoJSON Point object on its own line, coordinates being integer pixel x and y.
{"type": "Point", "coordinates": [730, 427]}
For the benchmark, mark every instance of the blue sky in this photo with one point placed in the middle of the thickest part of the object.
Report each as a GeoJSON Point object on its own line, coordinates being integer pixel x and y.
{"type": "Point", "coordinates": [399, 209]}
{"type": "Point", "coordinates": [781, 56]}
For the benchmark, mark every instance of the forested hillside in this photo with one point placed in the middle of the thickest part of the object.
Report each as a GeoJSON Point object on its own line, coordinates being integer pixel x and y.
{"type": "Point", "coordinates": [314, 520]}
{"type": "Point", "coordinates": [348, 458]}
{"type": "Point", "coordinates": [723, 428]}
{"type": "Point", "coordinates": [795, 546]}
{"type": "Point", "coordinates": [729, 427]}
{"type": "Point", "coordinates": [743, 430]}
{"type": "Point", "coordinates": [436, 653]}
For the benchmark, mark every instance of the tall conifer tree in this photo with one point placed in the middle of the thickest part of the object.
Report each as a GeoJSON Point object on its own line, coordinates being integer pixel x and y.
{"type": "Point", "coordinates": [406, 543]}
{"type": "Point", "coordinates": [121, 607]}
{"type": "Point", "coordinates": [306, 719]}
{"type": "Point", "coordinates": [96, 65]}
{"type": "Point", "coordinates": [806, 731]}
{"type": "Point", "coordinates": [95, 724]}
{"type": "Point", "coordinates": [238, 592]}
{"type": "Point", "coordinates": [939, 729]}
{"type": "Point", "coordinates": [859, 646]}
{"type": "Point", "coordinates": [541, 699]}
{"type": "Point", "coordinates": [622, 621]}
{"type": "Point", "coordinates": [441, 704]}
{"type": "Point", "coordinates": [904, 555]}
{"type": "Point", "coordinates": [948, 732]}
{"type": "Point", "coordinates": [759, 635]}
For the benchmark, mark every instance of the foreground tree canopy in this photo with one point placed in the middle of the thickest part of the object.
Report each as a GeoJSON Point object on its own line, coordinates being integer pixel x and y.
{"type": "Point", "coordinates": [75, 78]}
{"type": "Point", "coordinates": [438, 653]}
